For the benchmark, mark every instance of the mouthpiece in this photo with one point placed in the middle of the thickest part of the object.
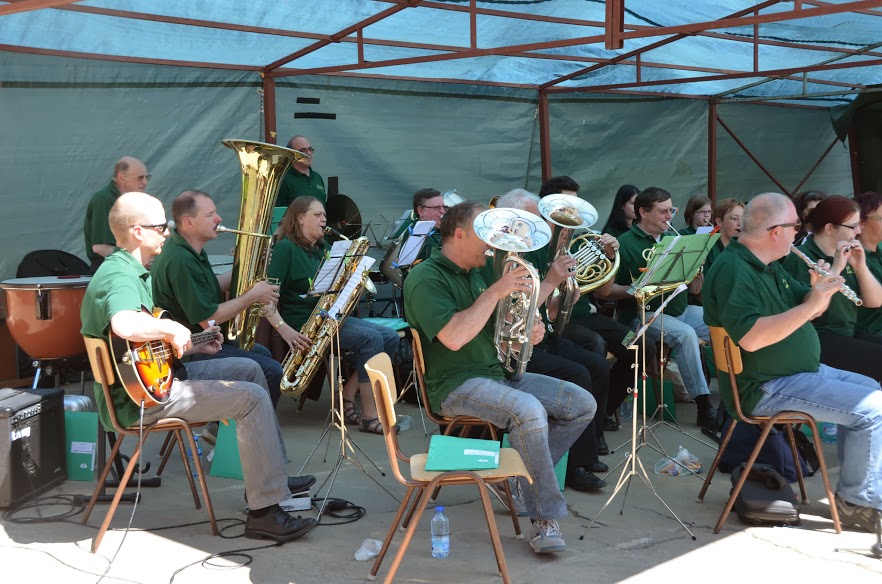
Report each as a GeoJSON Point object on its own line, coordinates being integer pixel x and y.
{"type": "Point", "coordinates": [334, 232]}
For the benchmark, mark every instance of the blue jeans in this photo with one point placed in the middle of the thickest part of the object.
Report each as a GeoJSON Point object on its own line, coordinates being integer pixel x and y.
{"type": "Point", "coordinates": [272, 369]}
{"type": "Point", "coordinates": [682, 334]}
{"type": "Point", "coordinates": [543, 417]}
{"type": "Point", "coordinates": [366, 339]}
{"type": "Point", "coordinates": [851, 401]}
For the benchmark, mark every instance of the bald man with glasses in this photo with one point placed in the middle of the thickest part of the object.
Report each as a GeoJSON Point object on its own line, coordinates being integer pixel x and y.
{"type": "Point", "coordinates": [129, 175]}
{"type": "Point", "coordinates": [301, 180]}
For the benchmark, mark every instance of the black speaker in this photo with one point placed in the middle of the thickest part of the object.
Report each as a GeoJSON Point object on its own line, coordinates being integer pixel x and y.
{"type": "Point", "coordinates": [31, 443]}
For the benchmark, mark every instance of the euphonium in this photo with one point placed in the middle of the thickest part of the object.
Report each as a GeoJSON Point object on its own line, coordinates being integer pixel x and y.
{"type": "Point", "coordinates": [511, 232]}
{"type": "Point", "coordinates": [263, 167]}
{"type": "Point", "coordinates": [299, 367]}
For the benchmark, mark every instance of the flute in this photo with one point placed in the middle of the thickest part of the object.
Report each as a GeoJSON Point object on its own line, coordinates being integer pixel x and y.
{"type": "Point", "coordinates": [846, 291]}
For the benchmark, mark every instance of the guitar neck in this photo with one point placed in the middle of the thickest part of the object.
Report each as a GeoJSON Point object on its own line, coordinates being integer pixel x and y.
{"type": "Point", "coordinates": [203, 337]}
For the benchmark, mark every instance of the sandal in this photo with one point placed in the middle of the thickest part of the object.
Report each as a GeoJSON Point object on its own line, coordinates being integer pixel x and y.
{"type": "Point", "coordinates": [349, 414]}
{"type": "Point", "coordinates": [373, 426]}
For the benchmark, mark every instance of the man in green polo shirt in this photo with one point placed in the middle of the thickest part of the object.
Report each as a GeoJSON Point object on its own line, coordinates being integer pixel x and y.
{"type": "Point", "coordinates": [113, 303]}
{"type": "Point", "coordinates": [301, 179]}
{"type": "Point", "coordinates": [451, 307]}
{"type": "Point", "coordinates": [185, 284]}
{"type": "Point", "coordinates": [683, 324]}
{"type": "Point", "coordinates": [767, 312]}
{"type": "Point", "coordinates": [129, 175]}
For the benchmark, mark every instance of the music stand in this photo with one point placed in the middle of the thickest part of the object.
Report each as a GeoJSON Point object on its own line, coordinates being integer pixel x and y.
{"type": "Point", "coordinates": [673, 262]}
{"type": "Point", "coordinates": [328, 272]}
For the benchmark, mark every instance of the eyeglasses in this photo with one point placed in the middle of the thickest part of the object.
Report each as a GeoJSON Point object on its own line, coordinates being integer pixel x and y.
{"type": "Point", "coordinates": [159, 228]}
{"type": "Point", "coordinates": [852, 227]}
{"type": "Point", "coordinates": [433, 207]}
{"type": "Point", "coordinates": [708, 212]}
{"type": "Point", "coordinates": [142, 176]}
{"type": "Point", "coordinates": [309, 149]}
{"type": "Point", "coordinates": [795, 226]}
{"type": "Point", "coordinates": [874, 218]}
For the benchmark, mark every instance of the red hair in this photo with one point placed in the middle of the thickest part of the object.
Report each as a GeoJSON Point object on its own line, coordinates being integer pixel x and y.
{"type": "Point", "coordinates": [832, 210]}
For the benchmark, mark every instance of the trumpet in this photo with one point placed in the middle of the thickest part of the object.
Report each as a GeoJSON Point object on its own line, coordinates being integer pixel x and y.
{"type": "Point", "coordinates": [845, 289]}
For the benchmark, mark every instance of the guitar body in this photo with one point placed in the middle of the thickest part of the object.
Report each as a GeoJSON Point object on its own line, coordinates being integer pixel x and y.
{"type": "Point", "coordinates": [145, 368]}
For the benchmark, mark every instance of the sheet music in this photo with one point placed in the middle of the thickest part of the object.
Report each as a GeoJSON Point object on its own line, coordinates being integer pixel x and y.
{"type": "Point", "coordinates": [414, 243]}
{"type": "Point", "coordinates": [363, 266]}
{"type": "Point", "coordinates": [329, 269]}
{"type": "Point", "coordinates": [404, 217]}
{"type": "Point", "coordinates": [703, 229]}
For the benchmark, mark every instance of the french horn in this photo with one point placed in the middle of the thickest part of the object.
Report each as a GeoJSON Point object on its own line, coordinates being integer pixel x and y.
{"type": "Point", "coordinates": [512, 232]}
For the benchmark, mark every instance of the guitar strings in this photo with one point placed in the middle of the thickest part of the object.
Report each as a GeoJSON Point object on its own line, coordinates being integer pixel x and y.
{"type": "Point", "coordinates": [160, 351]}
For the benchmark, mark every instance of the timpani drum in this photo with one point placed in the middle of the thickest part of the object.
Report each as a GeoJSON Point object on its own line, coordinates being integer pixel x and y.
{"type": "Point", "coordinates": [43, 315]}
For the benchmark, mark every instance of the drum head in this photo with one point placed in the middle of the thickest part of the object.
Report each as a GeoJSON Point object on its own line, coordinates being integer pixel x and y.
{"type": "Point", "coordinates": [344, 216]}
{"type": "Point", "coordinates": [46, 282]}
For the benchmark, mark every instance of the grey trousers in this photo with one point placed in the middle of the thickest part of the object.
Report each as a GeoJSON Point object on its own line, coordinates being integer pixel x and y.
{"type": "Point", "coordinates": [209, 394]}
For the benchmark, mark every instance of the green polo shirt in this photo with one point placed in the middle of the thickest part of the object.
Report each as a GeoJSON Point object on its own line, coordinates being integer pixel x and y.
{"type": "Point", "coordinates": [841, 316]}
{"type": "Point", "coordinates": [614, 231]}
{"type": "Point", "coordinates": [740, 289]}
{"type": "Point", "coordinates": [184, 283]}
{"type": "Point", "coordinates": [688, 230]}
{"type": "Point", "coordinates": [433, 242]}
{"type": "Point", "coordinates": [632, 243]}
{"type": "Point", "coordinates": [296, 184]}
{"type": "Point", "coordinates": [295, 267]}
{"type": "Point", "coordinates": [96, 228]}
{"type": "Point", "coordinates": [121, 283]}
{"type": "Point", "coordinates": [434, 291]}
{"type": "Point", "coordinates": [870, 319]}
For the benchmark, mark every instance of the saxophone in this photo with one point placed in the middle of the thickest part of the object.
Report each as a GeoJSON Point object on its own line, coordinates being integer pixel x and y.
{"type": "Point", "coordinates": [299, 367]}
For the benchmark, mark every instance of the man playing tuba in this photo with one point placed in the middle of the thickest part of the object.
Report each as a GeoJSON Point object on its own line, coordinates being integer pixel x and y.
{"type": "Point", "coordinates": [450, 305]}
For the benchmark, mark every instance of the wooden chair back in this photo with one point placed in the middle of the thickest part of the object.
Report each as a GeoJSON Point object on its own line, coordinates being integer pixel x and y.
{"type": "Point", "coordinates": [102, 370]}
{"type": "Point", "coordinates": [382, 377]}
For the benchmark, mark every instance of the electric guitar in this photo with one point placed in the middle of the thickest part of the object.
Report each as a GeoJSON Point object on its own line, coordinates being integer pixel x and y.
{"type": "Point", "coordinates": [145, 368]}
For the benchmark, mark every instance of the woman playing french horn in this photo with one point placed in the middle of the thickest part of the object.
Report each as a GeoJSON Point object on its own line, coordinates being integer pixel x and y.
{"type": "Point", "coordinates": [296, 259]}
{"type": "Point", "coordinates": [836, 224]}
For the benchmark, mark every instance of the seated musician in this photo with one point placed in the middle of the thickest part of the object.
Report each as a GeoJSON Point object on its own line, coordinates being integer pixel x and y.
{"type": "Point", "coordinates": [563, 359]}
{"type": "Point", "coordinates": [869, 322]}
{"type": "Point", "coordinates": [296, 259]}
{"type": "Point", "coordinates": [185, 284]}
{"type": "Point", "coordinates": [597, 332]}
{"type": "Point", "coordinates": [683, 323]}
{"type": "Point", "coordinates": [113, 302]}
{"type": "Point", "coordinates": [697, 214]}
{"type": "Point", "coordinates": [451, 306]}
{"type": "Point", "coordinates": [768, 313]}
{"type": "Point", "coordinates": [301, 180]}
{"type": "Point", "coordinates": [727, 218]}
{"type": "Point", "coordinates": [428, 205]}
{"type": "Point", "coordinates": [621, 216]}
{"type": "Point", "coordinates": [835, 224]}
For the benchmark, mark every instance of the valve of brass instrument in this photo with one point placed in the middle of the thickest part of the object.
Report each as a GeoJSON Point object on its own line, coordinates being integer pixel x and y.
{"type": "Point", "coordinates": [269, 308]}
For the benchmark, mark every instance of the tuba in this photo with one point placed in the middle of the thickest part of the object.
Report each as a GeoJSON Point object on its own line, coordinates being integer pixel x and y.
{"type": "Point", "coordinates": [299, 367]}
{"type": "Point", "coordinates": [511, 232]}
{"type": "Point", "coordinates": [263, 167]}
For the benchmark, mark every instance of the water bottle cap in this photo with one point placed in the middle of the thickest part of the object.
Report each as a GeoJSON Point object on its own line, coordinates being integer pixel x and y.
{"type": "Point", "coordinates": [439, 509]}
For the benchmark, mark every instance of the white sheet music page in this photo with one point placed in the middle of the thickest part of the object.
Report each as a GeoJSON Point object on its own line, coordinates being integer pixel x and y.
{"type": "Point", "coordinates": [329, 269]}
{"type": "Point", "coordinates": [363, 266]}
{"type": "Point", "coordinates": [414, 243]}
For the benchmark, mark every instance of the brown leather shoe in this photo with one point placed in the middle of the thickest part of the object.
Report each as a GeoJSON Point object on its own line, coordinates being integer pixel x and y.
{"type": "Point", "coordinates": [278, 525]}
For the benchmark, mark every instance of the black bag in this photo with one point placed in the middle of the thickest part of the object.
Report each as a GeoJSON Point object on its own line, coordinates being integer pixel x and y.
{"type": "Point", "coordinates": [765, 498]}
{"type": "Point", "coordinates": [775, 452]}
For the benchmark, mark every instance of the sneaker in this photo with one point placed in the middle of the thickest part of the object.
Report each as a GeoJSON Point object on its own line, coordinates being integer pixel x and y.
{"type": "Point", "coordinates": [517, 497]}
{"type": "Point", "coordinates": [209, 434]}
{"type": "Point", "coordinates": [864, 517]}
{"type": "Point", "coordinates": [546, 537]}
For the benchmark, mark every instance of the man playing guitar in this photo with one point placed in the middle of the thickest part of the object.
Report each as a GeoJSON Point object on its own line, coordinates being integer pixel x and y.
{"type": "Point", "coordinates": [113, 303]}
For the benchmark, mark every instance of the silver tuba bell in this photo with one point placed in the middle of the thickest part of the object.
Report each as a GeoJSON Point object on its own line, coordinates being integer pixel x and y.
{"type": "Point", "coordinates": [511, 232]}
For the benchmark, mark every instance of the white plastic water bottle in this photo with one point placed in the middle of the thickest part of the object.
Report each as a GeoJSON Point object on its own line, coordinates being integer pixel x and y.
{"type": "Point", "coordinates": [198, 453]}
{"type": "Point", "coordinates": [440, 534]}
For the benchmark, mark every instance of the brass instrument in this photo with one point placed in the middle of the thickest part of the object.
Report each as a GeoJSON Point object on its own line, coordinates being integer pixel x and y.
{"type": "Point", "coordinates": [593, 269]}
{"type": "Point", "coordinates": [451, 198]}
{"type": "Point", "coordinates": [845, 289]}
{"type": "Point", "coordinates": [263, 166]}
{"type": "Point", "coordinates": [511, 232]}
{"type": "Point", "coordinates": [299, 367]}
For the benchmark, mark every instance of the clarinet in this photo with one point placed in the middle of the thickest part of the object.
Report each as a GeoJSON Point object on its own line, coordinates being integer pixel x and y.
{"type": "Point", "coordinates": [846, 291]}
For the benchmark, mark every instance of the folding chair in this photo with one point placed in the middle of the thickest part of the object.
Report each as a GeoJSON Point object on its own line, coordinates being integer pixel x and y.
{"type": "Point", "coordinates": [102, 369]}
{"type": "Point", "coordinates": [423, 482]}
{"type": "Point", "coordinates": [727, 357]}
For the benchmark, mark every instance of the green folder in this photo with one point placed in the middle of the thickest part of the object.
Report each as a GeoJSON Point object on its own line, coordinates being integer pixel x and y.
{"type": "Point", "coordinates": [226, 461]}
{"type": "Point", "coordinates": [454, 453]}
{"type": "Point", "coordinates": [81, 437]}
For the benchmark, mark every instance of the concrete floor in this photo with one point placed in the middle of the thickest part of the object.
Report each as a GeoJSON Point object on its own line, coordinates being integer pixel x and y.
{"type": "Point", "coordinates": [643, 544]}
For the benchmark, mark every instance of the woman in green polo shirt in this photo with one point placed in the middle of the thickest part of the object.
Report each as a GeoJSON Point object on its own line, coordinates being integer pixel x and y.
{"type": "Point", "coordinates": [727, 218]}
{"type": "Point", "coordinates": [836, 223]}
{"type": "Point", "coordinates": [696, 214]}
{"type": "Point", "coordinates": [621, 216]}
{"type": "Point", "coordinates": [296, 258]}
{"type": "Point", "coordinates": [869, 322]}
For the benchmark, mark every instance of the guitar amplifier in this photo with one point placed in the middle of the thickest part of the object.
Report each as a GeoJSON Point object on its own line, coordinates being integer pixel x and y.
{"type": "Point", "coordinates": [31, 443]}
